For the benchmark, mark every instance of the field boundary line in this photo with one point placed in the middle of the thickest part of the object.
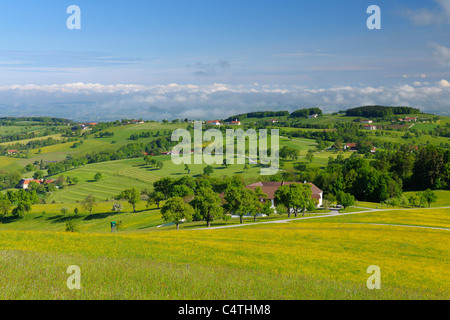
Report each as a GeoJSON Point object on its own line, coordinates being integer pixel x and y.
{"type": "Point", "coordinates": [397, 225]}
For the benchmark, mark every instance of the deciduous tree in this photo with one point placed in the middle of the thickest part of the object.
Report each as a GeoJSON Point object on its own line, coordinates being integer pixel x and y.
{"type": "Point", "coordinates": [176, 210]}
{"type": "Point", "coordinates": [207, 205]}
{"type": "Point", "coordinates": [132, 195]}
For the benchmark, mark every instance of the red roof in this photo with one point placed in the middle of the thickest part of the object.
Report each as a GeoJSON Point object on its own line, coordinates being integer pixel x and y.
{"type": "Point", "coordinates": [28, 181]}
{"type": "Point", "coordinates": [270, 187]}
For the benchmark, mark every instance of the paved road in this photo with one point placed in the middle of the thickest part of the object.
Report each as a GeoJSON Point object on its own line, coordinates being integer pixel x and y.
{"type": "Point", "coordinates": [333, 215]}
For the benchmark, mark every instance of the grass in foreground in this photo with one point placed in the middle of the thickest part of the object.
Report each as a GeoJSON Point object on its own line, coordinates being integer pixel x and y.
{"type": "Point", "coordinates": [302, 260]}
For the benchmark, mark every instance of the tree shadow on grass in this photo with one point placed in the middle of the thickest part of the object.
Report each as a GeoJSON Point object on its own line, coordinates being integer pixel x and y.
{"type": "Point", "coordinates": [9, 219]}
{"type": "Point", "coordinates": [61, 219]}
{"type": "Point", "coordinates": [96, 216]}
{"type": "Point", "coordinates": [144, 210]}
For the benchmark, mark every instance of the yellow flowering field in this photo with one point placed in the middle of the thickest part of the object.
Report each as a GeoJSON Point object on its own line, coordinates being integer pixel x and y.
{"type": "Point", "coordinates": [304, 260]}
{"type": "Point", "coordinates": [433, 217]}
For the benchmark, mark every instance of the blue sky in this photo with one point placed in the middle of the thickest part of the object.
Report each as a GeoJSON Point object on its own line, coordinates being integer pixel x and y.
{"type": "Point", "coordinates": [154, 56]}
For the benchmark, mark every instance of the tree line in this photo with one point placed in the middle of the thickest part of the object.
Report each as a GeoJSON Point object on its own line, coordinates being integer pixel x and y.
{"type": "Point", "coordinates": [380, 111]}
{"type": "Point", "coordinates": [132, 150]}
{"type": "Point", "coordinates": [208, 198]}
{"type": "Point", "coordinates": [17, 203]}
{"type": "Point", "coordinates": [258, 114]}
{"type": "Point", "coordinates": [34, 144]}
{"type": "Point", "coordinates": [384, 177]}
{"type": "Point", "coordinates": [305, 113]}
{"type": "Point", "coordinates": [5, 121]}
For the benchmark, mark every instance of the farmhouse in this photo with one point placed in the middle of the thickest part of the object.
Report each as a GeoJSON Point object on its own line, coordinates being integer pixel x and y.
{"type": "Point", "coordinates": [270, 187]}
{"type": "Point", "coordinates": [366, 121]}
{"type": "Point", "coordinates": [25, 183]}
{"type": "Point", "coordinates": [351, 147]}
{"type": "Point", "coordinates": [214, 122]}
{"type": "Point", "coordinates": [408, 119]}
{"type": "Point", "coordinates": [12, 151]}
{"type": "Point", "coordinates": [79, 126]}
{"type": "Point", "coordinates": [370, 127]}
{"type": "Point", "coordinates": [313, 116]}
{"type": "Point", "coordinates": [234, 123]}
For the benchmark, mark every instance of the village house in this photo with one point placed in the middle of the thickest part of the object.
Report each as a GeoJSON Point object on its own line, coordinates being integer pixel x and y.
{"type": "Point", "coordinates": [408, 119]}
{"type": "Point", "coordinates": [12, 152]}
{"type": "Point", "coordinates": [25, 183]}
{"type": "Point", "coordinates": [351, 147]}
{"type": "Point", "coordinates": [274, 120]}
{"type": "Point", "coordinates": [370, 127]}
{"type": "Point", "coordinates": [214, 122]}
{"type": "Point", "coordinates": [79, 126]}
{"type": "Point", "coordinates": [270, 187]}
{"type": "Point", "coordinates": [173, 153]}
{"type": "Point", "coordinates": [367, 121]}
{"type": "Point", "coordinates": [84, 126]}
{"type": "Point", "coordinates": [234, 123]}
{"type": "Point", "coordinates": [315, 115]}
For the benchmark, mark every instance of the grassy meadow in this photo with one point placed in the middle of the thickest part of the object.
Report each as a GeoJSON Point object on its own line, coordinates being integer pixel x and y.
{"type": "Point", "coordinates": [305, 259]}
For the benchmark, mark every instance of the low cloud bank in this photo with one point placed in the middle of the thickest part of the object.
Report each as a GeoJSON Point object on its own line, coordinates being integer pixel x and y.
{"type": "Point", "coordinates": [93, 101]}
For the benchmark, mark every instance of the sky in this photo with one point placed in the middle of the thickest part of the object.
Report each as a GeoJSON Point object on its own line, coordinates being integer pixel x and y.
{"type": "Point", "coordinates": [209, 59]}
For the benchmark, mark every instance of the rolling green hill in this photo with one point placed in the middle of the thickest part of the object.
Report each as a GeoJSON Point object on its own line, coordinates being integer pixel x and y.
{"type": "Point", "coordinates": [324, 255]}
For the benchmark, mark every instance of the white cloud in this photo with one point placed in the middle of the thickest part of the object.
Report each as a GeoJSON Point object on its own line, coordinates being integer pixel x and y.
{"type": "Point", "coordinates": [86, 101]}
{"type": "Point", "coordinates": [441, 54]}
{"type": "Point", "coordinates": [444, 83]}
{"type": "Point", "coordinates": [439, 15]}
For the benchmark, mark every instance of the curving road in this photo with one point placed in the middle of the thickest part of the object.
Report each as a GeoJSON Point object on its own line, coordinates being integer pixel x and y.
{"type": "Point", "coordinates": [334, 215]}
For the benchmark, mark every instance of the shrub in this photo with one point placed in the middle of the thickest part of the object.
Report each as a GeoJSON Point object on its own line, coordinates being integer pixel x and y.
{"type": "Point", "coordinates": [71, 226]}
